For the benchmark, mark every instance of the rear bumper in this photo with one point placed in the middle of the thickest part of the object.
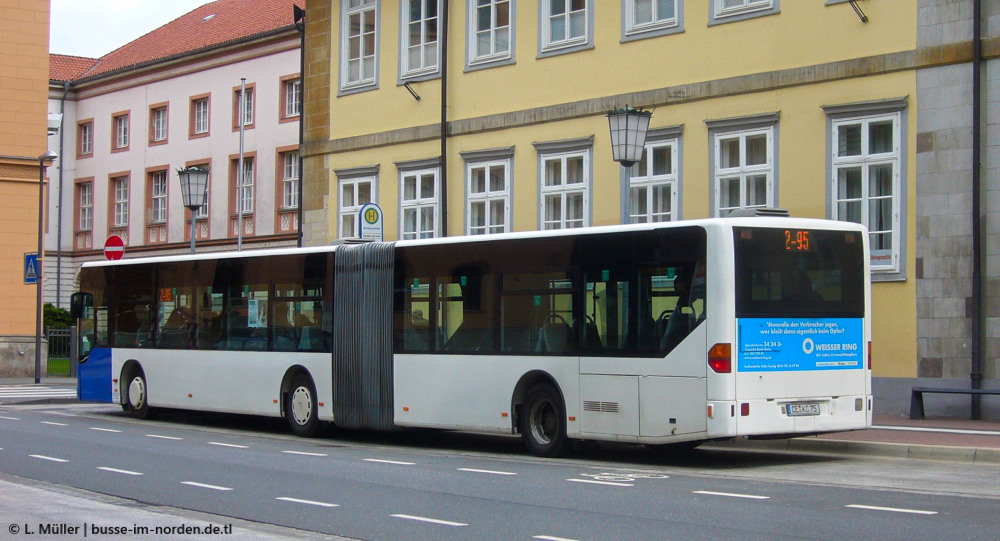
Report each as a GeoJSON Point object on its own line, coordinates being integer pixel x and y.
{"type": "Point", "coordinates": [769, 417]}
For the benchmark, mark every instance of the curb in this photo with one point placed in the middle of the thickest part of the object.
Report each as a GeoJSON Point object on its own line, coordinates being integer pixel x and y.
{"type": "Point", "coordinates": [939, 453]}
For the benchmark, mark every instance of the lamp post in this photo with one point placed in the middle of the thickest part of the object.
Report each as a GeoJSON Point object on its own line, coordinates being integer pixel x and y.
{"type": "Point", "coordinates": [49, 157]}
{"type": "Point", "coordinates": [194, 189]}
{"type": "Point", "coordinates": [628, 140]}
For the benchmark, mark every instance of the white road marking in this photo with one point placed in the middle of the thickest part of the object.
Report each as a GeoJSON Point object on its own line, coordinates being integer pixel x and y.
{"type": "Point", "coordinates": [380, 461]}
{"type": "Point", "coordinates": [234, 446]}
{"type": "Point", "coordinates": [431, 520]}
{"type": "Point", "coordinates": [307, 502]}
{"type": "Point", "coordinates": [53, 424]}
{"type": "Point", "coordinates": [303, 453]}
{"type": "Point", "coordinates": [163, 437]}
{"type": "Point", "coordinates": [106, 430]}
{"type": "Point", "coordinates": [473, 470]}
{"type": "Point", "coordinates": [732, 495]}
{"type": "Point", "coordinates": [609, 483]}
{"type": "Point", "coordinates": [551, 538]}
{"type": "Point", "coordinates": [10, 418]}
{"type": "Point", "coordinates": [49, 458]}
{"type": "Point", "coordinates": [115, 470]}
{"type": "Point", "coordinates": [892, 509]}
{"type": "Point", "coordinates": [202, 485]}
{"type": "Point", "coordinates": [939, 430]}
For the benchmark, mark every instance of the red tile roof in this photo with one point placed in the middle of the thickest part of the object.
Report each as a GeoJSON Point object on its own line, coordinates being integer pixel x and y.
{"type": "Point", "coordinates": [66, 68]}
{"type": "Point", "coordinates": [215, 23]}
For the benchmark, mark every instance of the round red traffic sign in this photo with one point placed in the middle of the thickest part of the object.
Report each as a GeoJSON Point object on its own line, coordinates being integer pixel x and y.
{"type": "Point", "coordinates": [114, 248]}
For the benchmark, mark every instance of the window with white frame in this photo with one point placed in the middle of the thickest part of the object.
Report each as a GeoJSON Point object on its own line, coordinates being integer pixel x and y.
{"type": "Point", "coordinates": [355, 192]}
{"type": "Point", "coordinates": [202, 211]}
{"type": "Point", "coordinates": [245, 192]}
{"type": "Point", "coordinates": [419, 204]}
{"type": "Point", "coordinates": [648, 15]}
{"type": "Point", "coordinates": [200, 113]}
{"type": "Point", "coordinates": [121, 131]}
{"type": "Point", "coordinates": [85, 202]}
{"type": "Point", "coordinates": [120, 185]}
{"type": "Point", "coordinates": [419, 37]}
{"type": "Point", "coordinates": [743, 170]}
{"type": "Point", "coordinates": [490, 23]}
{"type": "Point", "coordinates": [86, 138]}
{"type": "Point", "coordinates": [293, 97]}
{"type": "Point", "coordinates": [866, 181]}
{"type": "Point", "coordinates": [159, 122]}
{"type": "Point", "coordinates": [565, 23]}
{"type": "Point", "coordinates": [488, 189]}
{"type": "Point", "coordinates": [158, 195]}
{"type": "Point", "coordinates": [565, 190]}
{"type": "Point", "coordinates": [722, 9]}
{"type": "Point", "coordinates": [653, 184]}
{"type": "Point", "coordinates": [359, 43]}
{"type": "Point", "coordinates": [290, 180]}
{"type": "Point", "coordinates": [247, 105]}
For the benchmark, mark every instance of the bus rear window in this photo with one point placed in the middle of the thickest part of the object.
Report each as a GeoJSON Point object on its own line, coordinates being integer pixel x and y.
{"type": "Point", "coordinates": [798, 273]}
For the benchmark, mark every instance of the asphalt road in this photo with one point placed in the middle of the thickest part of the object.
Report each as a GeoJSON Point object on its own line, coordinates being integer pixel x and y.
{"type": "Point", "coordinates": [435, 485]}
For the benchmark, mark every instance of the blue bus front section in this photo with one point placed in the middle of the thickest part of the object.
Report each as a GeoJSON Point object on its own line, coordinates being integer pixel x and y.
{"type": "Point", "coordinates": [94, 377]}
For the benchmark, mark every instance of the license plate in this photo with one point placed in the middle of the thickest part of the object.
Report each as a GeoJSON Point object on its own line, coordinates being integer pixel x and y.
{"type": "Point", "coordinates": [800, 410]}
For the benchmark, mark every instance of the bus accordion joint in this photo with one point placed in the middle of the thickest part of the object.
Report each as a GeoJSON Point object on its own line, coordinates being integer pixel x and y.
{"type": "Point", "coordinates": [720, 358]}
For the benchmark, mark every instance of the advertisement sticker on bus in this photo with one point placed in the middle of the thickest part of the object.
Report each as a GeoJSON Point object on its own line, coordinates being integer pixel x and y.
{"type": "Point", "coordinates": [783, 344]}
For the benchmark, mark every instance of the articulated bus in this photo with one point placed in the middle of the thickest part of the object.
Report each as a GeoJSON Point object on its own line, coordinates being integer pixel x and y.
{"type": "Point", "coordinates": [668, 333]}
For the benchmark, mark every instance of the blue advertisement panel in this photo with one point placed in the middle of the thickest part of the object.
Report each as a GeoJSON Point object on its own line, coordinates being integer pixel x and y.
{"type": "Point", "coordinates": [789, 344]}
{"type": "Point", "coordinates": [94, 377]}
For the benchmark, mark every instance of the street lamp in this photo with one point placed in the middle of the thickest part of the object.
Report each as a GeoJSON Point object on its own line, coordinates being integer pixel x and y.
{"type": "Point", "coordinates": [194, 189]}
{"type": "Point", "coordinates": [628, 134]}
{"type": "Point", "coordinates": [48, 157]}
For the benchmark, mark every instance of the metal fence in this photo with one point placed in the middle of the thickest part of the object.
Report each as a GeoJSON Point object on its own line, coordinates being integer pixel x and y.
{"type": "Point", "coordinates": [59, 340]}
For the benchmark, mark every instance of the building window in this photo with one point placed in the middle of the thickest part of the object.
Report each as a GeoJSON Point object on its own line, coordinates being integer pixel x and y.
{"type": "Point", "coordinates": [359, 44]}
{"type": "Point", "coordinates": [866, 182]}
{"type": "Point", "coordinates": [119, 187]}
{"type": "Point", "coordinates": [565, 189]}
{"type": "Point", "coordinates": [566, 25]}
{"type": "Point", "coordinates": [723, 11]}
{"type": "Point", "coordinates": [199, 116]}
{"type": "Point", "coordinates": [291, 97]}
{"type": "Point", "coordinates": [491, 31]}
{"type": "Point", "coordinates": [290, 180]}
{"type": "Point", "coordinates": [85, 202]}
{"type": "Point", "coordinates": [245, 190]}
{"type": "Point", "coordinates": [202, 212]}
{"type": "Point", "coordinates": [488, 189]}
{"type": "Point", "coordinates": [247, 107]}
{"type": "Point", "coordinates": [419, 38]}
{"type": "Point", "coordinates": [120, 123]}
{"type": "Point", "coordinates": [158, 124]}
{"type": "Point", "coordinates": [158, 197]}
{"type": "Point", "coordinates": [743, 169]}
{"type": "Point", "coordinates": [355, 192]}
{"type": "Point", "coordinates": [419, 204]}
{"type": "Point", "coordinates": [85, 138]}
{"type": "Point", "coordinates": [653, 183]}
{"type": "Point", "coordinates": [646, 18]}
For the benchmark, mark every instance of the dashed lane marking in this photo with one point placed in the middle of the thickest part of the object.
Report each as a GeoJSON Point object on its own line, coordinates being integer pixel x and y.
{"type": "Point", "coordinates": [891, 509]}
{"type": "Point", "coordinates": [116, 470]}
{"type": "Point", "coordinates": [232, 445]}
{"type": "Point", "coordinates": [430, 520]}
{"type": "Point", "coordinates": [157, 436]}
{"type": "Point", "coordinates": [732, 495]}
{"type": "Point", "coordinates": [53, 423]}
{"type": "Point", "coordinates": [303, 453]}
{"type": "Point", "coordinates": [307, 502]}
{"type": "Point", "coordinates": [491, 472]}
{"type": "Point", "coordinates": [608, 483]}
{"type": "Point", "coordinates": [203, 485]}
{"type": "Point", "coordinates": [398, 463]}
{"type": "Point", "coordinates": [99, 429]}
{"type": "Point", "coordinates": [49, 458]}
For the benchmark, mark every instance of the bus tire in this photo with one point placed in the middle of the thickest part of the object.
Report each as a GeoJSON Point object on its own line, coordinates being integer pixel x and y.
{"type": "Point", "coordinates": [300, 407]}
{"type": "Point", "coordinates": [134, 395]}
{"type": "Point", "coordinates": [542, 422]}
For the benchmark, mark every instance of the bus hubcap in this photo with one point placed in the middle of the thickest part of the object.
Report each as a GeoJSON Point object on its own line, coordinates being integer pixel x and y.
{"type": "Point", "coordinates": [136, 393]}
{"type": "Point", "coordinates": [301, 405]}
{"type": "Point", "coordinates": [543, 421]}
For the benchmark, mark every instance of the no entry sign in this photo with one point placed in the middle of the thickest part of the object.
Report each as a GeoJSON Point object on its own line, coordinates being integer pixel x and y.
{"type": "Point", "coordinates": [114, 248]}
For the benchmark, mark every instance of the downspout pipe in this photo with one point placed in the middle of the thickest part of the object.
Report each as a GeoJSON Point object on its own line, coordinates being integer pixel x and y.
{"type": "Point", "coordinates": [299, 16]}
{"type": "Point", "coordinates": [977, 278]}
{"type": "Point", "coordinates": [59, 201]}
{"type": "Point", "coordinates": [444, 118]}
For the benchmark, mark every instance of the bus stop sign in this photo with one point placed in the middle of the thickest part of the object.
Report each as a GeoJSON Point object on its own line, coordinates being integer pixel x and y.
{"type": "Point", "coordinates": [114, 248]}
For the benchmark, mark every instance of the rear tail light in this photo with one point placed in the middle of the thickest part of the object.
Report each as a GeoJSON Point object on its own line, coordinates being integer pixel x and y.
{"type": "Point", "coordinates": [720, 358]}
{"type": "Point", "coordinates": [869, 355]}
{"type": "Point", "coordinates": [745, 409]}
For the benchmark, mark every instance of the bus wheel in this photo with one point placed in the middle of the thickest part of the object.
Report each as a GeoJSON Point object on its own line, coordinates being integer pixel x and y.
{"type": "Point", "coordinates": [300, 407]}
{"type": "Point", "coordinates": [134, 403]}
{"type": "Point", "coordinates": [543, 422]}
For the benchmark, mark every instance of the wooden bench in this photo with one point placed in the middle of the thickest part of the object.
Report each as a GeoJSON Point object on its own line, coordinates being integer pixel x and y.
{"type": "Point", "coordinates": [917, 397]}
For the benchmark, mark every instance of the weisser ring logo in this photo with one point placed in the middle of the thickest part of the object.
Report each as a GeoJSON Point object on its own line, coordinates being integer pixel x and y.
{"type": "Point", "coordinates": [808, 346]}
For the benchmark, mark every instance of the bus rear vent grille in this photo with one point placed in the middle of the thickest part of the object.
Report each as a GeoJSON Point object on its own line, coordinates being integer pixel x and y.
{"type": "Point", "coordinates": [602, 407]}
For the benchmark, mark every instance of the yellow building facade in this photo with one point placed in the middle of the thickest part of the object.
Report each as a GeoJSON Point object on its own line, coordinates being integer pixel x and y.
{"type": "Point", "coordinates": [24, 61]}
{"type": "Point", "coordinates": [796, 105]}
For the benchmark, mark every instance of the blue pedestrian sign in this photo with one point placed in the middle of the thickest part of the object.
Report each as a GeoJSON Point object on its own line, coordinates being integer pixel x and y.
{"type": "Point", "coordinates": [31, 268]}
